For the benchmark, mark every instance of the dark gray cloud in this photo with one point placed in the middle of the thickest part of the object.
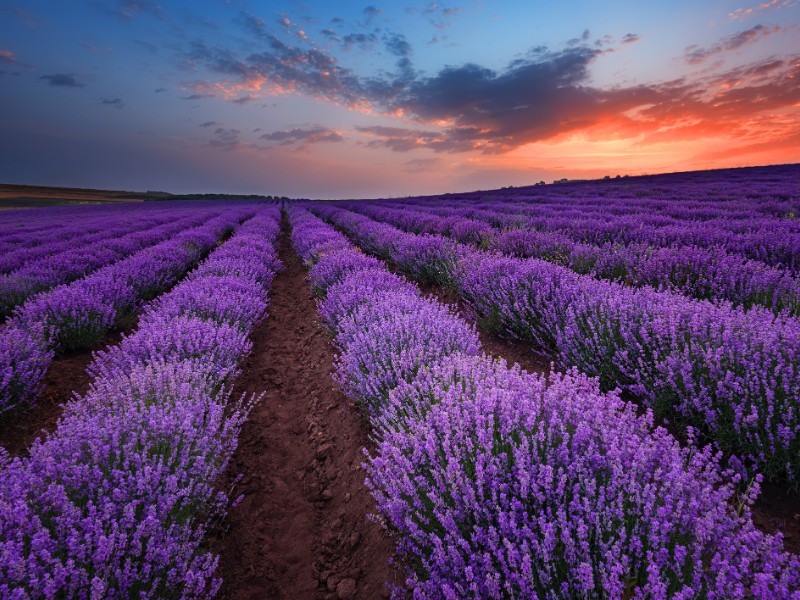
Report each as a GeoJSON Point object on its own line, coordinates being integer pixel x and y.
{"type": "Point", "coordinates": [160, 90]}
{"type": "Point", "coordinates": [252, 23]}
{"type": "Point", "coordinates": [113, 102]}
{"type": "Point", "coordinates": [695, 55]}
{"type": "Point", "coordinates": [401, 139]}
{"type": "Point", "coordinates": [631, 38]}
{"type": "Point", "coordinates": [244, 99]}
{"type": "Point", "coordinates": [371, 12]}
{"type": "Point", "coordinates": [301, 138]}
{"type": "Point", "coordinates": [422, 165]}
{"type": "Point", "coordinates": [225, 139]}
{"type": "Point", "coordinates": [62, 80]}
{"type": "Point", "coordinates": [208, 124]}
{"type": "Point", "coordinates": [398, 45]}
{"type": "Point", "coordinates": [330, 34]}
{"type": "Point", "coordinates": [580, 40]}
{"type": "Point", "coordinates": [362, 41]}
{"type": "Point", "coordinates": [543, 94]}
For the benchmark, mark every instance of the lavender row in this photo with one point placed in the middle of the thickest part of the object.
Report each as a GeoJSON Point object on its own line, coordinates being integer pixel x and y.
{"type": "Point", "coordinates": [773, 241]}
{"type": "Point", "coordinates": [502, 484]}
{"type": "Point", "coordinates": [703, 273]}
{"type": "Point", "coordinates": [80, 257]}
{"type": "Point", "coordinates": [752, 212]}
{"type": "Point", "coordinates": [733, 373]}
{"type": "Point", "coordinates": [42, 236]}
{"type": "Point", "coordinates": [91, 232]}
{"type": "Point", "coordinates": [77, 316]}
{"type": "Point", "coordinates": [54, 224]}
{"type": "Point", "coordinates": [116, 503]}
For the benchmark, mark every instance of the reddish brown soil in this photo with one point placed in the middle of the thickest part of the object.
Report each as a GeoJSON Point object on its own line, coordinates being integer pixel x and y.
{"type": "Point", "coordinates": [65, 377]}
{"type": "Point", "coordinates": [778, 509]}
{"type": "Point", "coordinates": [302, 529]}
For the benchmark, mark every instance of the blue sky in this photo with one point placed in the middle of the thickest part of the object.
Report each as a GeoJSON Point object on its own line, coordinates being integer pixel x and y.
{"type": "Point", "coordinates": [351, 99]}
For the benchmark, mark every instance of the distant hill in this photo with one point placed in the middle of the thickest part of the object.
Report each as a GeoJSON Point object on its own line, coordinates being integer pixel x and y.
{"type": "Point", "coordinates": [32, 196]}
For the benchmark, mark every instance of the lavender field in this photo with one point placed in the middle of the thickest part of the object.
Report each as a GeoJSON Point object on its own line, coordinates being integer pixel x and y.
{"type": "Point", "coordinates": [588, 389]}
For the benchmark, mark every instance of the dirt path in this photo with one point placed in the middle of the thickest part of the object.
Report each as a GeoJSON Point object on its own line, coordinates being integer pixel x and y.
{"type": "Point", "coordinates": [302, 529]}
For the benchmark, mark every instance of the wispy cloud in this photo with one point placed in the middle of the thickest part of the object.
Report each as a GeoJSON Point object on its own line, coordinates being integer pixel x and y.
{"type": "Point", "coordinates": [438, 15]}
{"type": "Point", "coordinates": [113, 102]}
{"type": "Point", "coordinates": [743, 13]}
{"type": "Point", "coordinates": [22, 15]}
{"type": "Point", "coordinates": [62, 80]}
{"type": "Point", "coordinates": [130, 9]}
{"type": "Point", "coordinates": [301, 138]}
{"type": "Point", "coordinates": [631, 38]}
{"type": "Point", "coordinates": [695, 55]}
{"type": "Point", "coordinates": [7, 56]}
{"type": "Point", "coordinates": [225, 139]}
{"type": "Point", "coordinates": [95, 49]}
{"type": "Point", "coordinates": [422, 165]}
{"type": "Point", "coordinates": [371, 13]}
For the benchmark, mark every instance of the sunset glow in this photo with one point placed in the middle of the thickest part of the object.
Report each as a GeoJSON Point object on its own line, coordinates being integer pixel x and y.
{"type": "Point", "coordinates": [337, 100]}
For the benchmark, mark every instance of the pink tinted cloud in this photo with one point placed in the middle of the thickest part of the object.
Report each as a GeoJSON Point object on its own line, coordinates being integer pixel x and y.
{"type": "Point", "coordinates": [743, 13]}
{"type": "Point", "coordinates": [696, 55]}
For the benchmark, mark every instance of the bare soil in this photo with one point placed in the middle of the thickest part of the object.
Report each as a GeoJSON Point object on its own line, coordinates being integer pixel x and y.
{"type": "Point", "coordinates": [65, 378]}
{"type": "Point", "coordinates": [303, 529]}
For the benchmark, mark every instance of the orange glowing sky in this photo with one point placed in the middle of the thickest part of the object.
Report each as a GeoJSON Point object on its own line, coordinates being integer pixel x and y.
{"type": "Point", "coordinates": [334, 100]}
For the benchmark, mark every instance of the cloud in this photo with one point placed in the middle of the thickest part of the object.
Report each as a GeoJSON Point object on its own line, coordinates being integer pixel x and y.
{"type": "Point", "coordinates": [302, 138]}
{"type": "Point", "coordinates": [208, 124]}
{"type": "Point", "coordinates": [372, 12]}
{"type": "Point", "coordinates": [631, 38]}
{"type": "Point", "coordinates": [580, 40]}
{"type": "Point", "coordinates": [695, 55]}
{"type": "Point", "coordinates": [330, 34]}
{"type": "Point", "coordinates": [244, 99]}
{"type": "Point", "coordinates": [130, 9]}
{"type": "Point", "coordinates": [114, 102]}
{"type": "Point", "coordinates": [252, 23]}
{"type": "Point", "coordinates": [402, 139]}
{"type": "Point", "coordinates": [160, 90]}
{"type": "Point", "coordinates": [363, 41]}
{"type": "Point", "coordinates": [438, 15]}
{"type": "Point", "coordinates": [545, 94]}
{"type": "Point", "coordinates": [742, 13]}
{"type": "Point", "coordinates": [22, 15]}
{"type": "Point", "coordinates": [97, 49]}
{"type": "Point", "coordinates": [225, 139]}
{"type": "Point", "coordinates": [62, 80]}
{"type": "Point", "coordinates": [398, 45]}
{"type": "Point", "coordinates": [7, 56]}
{"type": "Point", "coordinates": [422, 165]}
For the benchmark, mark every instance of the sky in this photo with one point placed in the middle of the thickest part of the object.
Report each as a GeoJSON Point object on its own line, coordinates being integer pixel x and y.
{"type": "Point", "coordinates": [358, 99]}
